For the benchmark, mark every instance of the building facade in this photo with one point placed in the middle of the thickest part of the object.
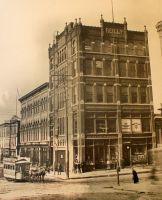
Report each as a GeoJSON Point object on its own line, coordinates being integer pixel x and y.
{"type": "Point", "coordinates": [159, 30]}
{"type": "Point", "coordinates": [158, 128]}
{"type": "Point", "coordinates": [34, 132]}
{"type": "Point", "coordinates": [9, 138]}
{"type": "Point", "coordinates": [101, 95]}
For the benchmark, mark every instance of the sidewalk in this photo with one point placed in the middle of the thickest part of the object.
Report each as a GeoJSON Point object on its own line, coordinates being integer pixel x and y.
{"type": "Point", "coordinates": [97, 173]}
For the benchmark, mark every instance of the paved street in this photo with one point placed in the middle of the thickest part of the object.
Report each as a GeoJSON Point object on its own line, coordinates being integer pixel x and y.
{"type": "Point", "coordinates": [82, 189]}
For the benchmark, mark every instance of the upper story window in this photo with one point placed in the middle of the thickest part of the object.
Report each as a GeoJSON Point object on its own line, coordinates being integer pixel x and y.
{"type": "Point", "coordinates": [89, 93]}
{"type": "Point", "coordinates": [143, 95]}
{"type": "Point", "coordinates": [61, 55]}
{"type": "Point", "coordinates": [51, 62]}
{"type": "Point", "coordinates": [110, 94]}
{"type": "Point", "coordinates": [99, 67]}
{"type": "Point", "coordinates": [61, 126]}
{"type": "Point", "coordinates": [146, 125]}
{"type": "Point", "coordinates": [124, 94]}
{"type": "Point", "coordinates": [132, 69]}
{"type": "Point", "coordinates": [73, 47]}
{"type": "Point", "coordinates": [130, 49]}
{"type": "Point", "coordinates": [74, 94]}
{"type": "Point", "coordinates": [74, 123]}
{"type": "Point", "coordinates": [141, 70]}
{"type": "Point", "coordinates": [88, 67]}
{"type": "Point", "coordinates": [108, 68]}
{"type": "Point", "coordinates": [122, 69]}
{"type": "Point", "coordinates": [74, 68]}
{"type": "Point", "coordinates": [99, 93]}
{"type": "Point", "coordinates": [134, 94]}
{"type": "Point", "coordinates": [100, 125]}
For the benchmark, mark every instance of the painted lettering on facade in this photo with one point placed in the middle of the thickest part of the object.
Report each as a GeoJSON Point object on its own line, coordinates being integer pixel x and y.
{"type": "Point", "coordinates": [114, 31]}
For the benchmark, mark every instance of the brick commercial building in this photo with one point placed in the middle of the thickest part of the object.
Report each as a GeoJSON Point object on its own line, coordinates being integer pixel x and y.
{"type": "Point", "coordinates": [34, 132]}
{"type": "Point", "coordinates": [101, 95]}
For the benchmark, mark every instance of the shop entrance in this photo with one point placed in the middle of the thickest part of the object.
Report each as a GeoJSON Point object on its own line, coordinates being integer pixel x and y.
{"type": "Point", "coordinates": [127, 154]}
{"type": "Point", "coordinates": [100, 157]}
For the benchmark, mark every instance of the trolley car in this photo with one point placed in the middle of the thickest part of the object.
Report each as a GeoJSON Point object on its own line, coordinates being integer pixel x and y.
{"type": "Point", "coordinates": [16, 169]}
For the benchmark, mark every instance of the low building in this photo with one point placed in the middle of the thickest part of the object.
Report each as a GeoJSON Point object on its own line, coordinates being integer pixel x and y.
{"type": "Point", "coordinates": [9, 138]}
{"type": "Point", "coordinates": [34, 131]}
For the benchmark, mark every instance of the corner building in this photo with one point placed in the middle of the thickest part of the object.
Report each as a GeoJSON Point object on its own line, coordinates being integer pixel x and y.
{"type": "Point", "coordinates": [100, 83]}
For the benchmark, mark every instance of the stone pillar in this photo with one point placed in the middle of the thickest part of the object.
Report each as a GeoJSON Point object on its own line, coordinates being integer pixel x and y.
{"type": "Point", "coordinates": [138, 94]}
{"type": "Point", "coordinates": [129, 94]}
{"type": "Point", "coordinates": [104, 93]}
{"type": "Point", "coordinates": [40, 154]}
{"type": "Point", "coordinates": [93, 66]}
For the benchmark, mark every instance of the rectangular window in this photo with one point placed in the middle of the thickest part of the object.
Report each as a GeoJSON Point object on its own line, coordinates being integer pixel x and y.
{"type": "Point", "coordinates": [122, 69]}
{"type": "Point", "coordinates": [89, 125]}
{"type": "Point", "coordinates": [75, 123]}
{"type": "Point", "coordinates": [74, 46]}
{"type": "Point", "coordinates": [124, 94]}
{"type": "Point", "coordinates": [74, 94]}
{"type": "Point", "coordinates": [99, 93]}
{"type": "Point", "coordinates": [88, 67]}
{"type": "Point", "coordinates": [146, 125]}
{"type": "Point", "coordinates": [61, 126]}
{"type": "Point", "coordinates": [109, 94]}
{"type": "Point", "coordinates": [107, 68]}
{"type": "Point", "coordinates": [100, 126]}
{"type": "Point", "coordinates": [131, 70]}
{"type": "Point", "coordinates": [89, 93]}
{"type": "Point", "coordinates": [111, 125]}
{"type": "Point", "coordinates": [141, 72]}
{"type": "Point", "coordinates": [74, 68]}
{"type": "Point", "coordinates": [143, 95]}
{"type": "Point", "coordinates": [99, 67]}
{"type": "Point", "coordinates": [134, 94]}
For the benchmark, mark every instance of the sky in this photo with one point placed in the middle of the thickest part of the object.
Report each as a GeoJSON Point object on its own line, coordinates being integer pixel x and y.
{"type": "Point", "coordinates": [28, 26]}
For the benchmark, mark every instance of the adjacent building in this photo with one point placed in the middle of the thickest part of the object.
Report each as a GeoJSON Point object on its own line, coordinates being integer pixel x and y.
{"type": "Point", "coordinates": [35, 140]}
{"type": "Point", "coordinates": [100, 91]}
{"type": "Point", "coordinates": [158, 128]}
{"type": "Point", "coordinates": [9, 138]}
{"type": "Point", "coordinates": [159, 30]}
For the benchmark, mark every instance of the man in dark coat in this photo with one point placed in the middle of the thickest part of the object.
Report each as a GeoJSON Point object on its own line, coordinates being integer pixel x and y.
{"type": "Point", "coordinates": [135, 176]}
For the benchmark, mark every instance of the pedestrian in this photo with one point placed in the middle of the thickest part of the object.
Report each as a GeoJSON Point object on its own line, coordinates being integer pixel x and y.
{"type": "Point", "coordinates": [135, 176]}
{"type": "Point", "coordinates": [59, 168]}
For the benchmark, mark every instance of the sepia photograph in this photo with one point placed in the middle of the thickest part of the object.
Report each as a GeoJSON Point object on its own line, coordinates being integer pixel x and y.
{"type": "Point", "coordinates": [80, 100]}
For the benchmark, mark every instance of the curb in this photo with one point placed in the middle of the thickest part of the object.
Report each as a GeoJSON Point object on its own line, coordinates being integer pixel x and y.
{"type": "Point", "coordinates": [98, 176]}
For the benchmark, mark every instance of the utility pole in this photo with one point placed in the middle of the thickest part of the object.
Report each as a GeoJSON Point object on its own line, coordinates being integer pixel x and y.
{"type": "Point", "coordinates": [10, 139]}
{"type": "Point", "coordinates": [67, 137]}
